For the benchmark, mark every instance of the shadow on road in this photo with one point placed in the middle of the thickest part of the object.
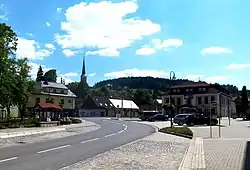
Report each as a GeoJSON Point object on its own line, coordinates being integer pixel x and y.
{"type": "Point", "coordinates": [246, 163]}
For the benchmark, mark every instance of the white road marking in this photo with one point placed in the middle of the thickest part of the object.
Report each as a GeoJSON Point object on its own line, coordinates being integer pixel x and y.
{"type": "Point", "coordinates": [52, 149]}
{"type": "Point", "coordinates": [8, 159]}
{"type": "Point", "coordinates": [112, 134]}
{"type": "Point", "coordinates": [85, 141]}
{"type": "Point", "coordinates": [123, 129]}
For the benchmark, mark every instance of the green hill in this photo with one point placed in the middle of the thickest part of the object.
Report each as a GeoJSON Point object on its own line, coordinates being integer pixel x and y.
{"type": "Point", "coordinates": [151, 83]}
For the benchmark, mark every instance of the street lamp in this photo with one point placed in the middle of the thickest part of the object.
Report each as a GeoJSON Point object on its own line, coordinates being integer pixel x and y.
{"type": "Point", "coordinates": [210, 117]}
{"type": "Point", "coordinates": [172, 77]}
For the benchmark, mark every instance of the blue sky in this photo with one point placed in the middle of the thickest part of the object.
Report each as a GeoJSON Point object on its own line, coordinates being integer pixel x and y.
{"type": "Point", "coordinates": [198, 39]}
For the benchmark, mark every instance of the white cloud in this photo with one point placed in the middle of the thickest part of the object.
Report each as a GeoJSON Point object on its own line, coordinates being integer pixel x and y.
{"type": "Point", "coordinates": [136, 73]}
{"type": "Point", "coordinates": [194, 77]}
{"type": "Point", "coordinates": [71, 74]}
{"type": "Point", "coordinates": [67, 80]}
{"type": "Point", "coordinates": [158, 44]}
{"type": "Point", "coordinates": [34, 68]}
{"type": "Point", "coordinates": [32, 50]}
{"type": "Point", "coordinates": [50, 46]}
{"type": "Point", "coordinates": [145, 51]}
{"type": "Point", "coordinates": [48, 24]}
{"type": "Point", "coordinates": [216, 79]}
{"type": "Point", "coordinates": [212, 79]}
{"type": "Point", "coordinates": [29, 34]}
{"type": "Point", "coordinates": [69, 53]}
{"type": "Point", "coordinates": [3, 13]}
{"type": "Point", "coordinates": [108, 52]}
{"type": "Point", "coordinates": [92, 74]}
{"type": "Point", "coordinates": [239, 66]}
{"type": "Point", "coordinates": [105, 26]}
{"type": "Point", "coordinates": [215, 50]}
{"type": "Point", "coordinates": [58, 10]}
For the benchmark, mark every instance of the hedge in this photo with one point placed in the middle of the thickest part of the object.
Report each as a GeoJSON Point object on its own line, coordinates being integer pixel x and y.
{"type": "Point", "coordinates": [178, 131]}
{"type": "Point", "coordinates": [76, 120]}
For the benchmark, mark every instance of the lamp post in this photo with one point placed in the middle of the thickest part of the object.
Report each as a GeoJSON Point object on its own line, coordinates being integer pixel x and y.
{"type": "Point", "coordinates": [220, 97]}
{"type": "Point", "coordinates": [172, 77]}
{"type": "Point", "coordinates": [210, 122]}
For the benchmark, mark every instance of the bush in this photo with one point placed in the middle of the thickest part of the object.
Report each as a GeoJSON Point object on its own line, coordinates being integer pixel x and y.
{"type": "Point", "coordinates": [179, 131]}
{"type": "Point", "coordinates": [76, 120]}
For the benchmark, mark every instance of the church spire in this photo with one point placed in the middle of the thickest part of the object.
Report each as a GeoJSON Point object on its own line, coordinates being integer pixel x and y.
{"type": "Point", "coordinates": [83, 76]}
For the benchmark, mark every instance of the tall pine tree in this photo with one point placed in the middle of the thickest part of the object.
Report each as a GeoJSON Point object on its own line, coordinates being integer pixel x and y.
{"type": "Point", "coordinates": [244, 102]}
{"type": "Point", "coordinates": [40, 76]}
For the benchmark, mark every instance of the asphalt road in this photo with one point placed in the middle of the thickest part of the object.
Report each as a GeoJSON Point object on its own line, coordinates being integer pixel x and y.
{"type": "Point", "coordinates": [57, 153]}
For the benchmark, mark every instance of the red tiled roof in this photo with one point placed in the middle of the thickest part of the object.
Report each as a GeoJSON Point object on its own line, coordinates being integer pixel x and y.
{"type": "Point", "coordinates": [195, 84]}
{"type": "Point", "coordinates": [49, 106]}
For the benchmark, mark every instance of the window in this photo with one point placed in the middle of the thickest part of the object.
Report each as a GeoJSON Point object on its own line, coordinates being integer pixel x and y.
{"type": "Point", "coordinates": [37, 100]}
{"type": "Point", "coordinates": [47, 100]}
{"type": "Point", "coordinates": [203, 89]}
{"type": "Point", "coordinates": [199, 100]}
{"type": "Point", "coordinates": [62, 101]}
{"type": "Point", "coordinates": [167, 100]}
{"type": "Point", "coordinates": [212, 99]}
{"type": "Point", "coordinates": [52, 100]}
{"type": "Point", "coordinates": [69, 101]}
{"type": "Point", "coordinates": [178, 90]}
{"type": "Point", "coordinates": [187, 90]}
{"type": "Point", "coordinates": [191, 90]}
{"type": "Point", "coordinates": [62, 91]}
{"type": "Point", "coordinates": [206, 100]}
{"type": "Point", "coordinates": [174, 90]}
{"type": "Point", "coordinates": [178, 101]}
{"type": "Point", "coordinates": [173, 102]}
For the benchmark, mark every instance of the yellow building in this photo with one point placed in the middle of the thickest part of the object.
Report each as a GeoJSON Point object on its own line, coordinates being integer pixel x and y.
{"type": "Point", "coordinates": [56, 93]}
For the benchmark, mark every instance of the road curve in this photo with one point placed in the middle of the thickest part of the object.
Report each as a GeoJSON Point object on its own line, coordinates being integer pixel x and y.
{"type": "Point", "coordinates": [57, 153]}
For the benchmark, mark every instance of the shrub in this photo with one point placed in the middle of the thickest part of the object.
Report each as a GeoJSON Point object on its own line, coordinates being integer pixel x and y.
{"type": "Point", "coordinates": [76, 120]}
{"type": "Point", "coordinates": [179, 131]}
{"type": "Point", "coordinates": [30, 122]}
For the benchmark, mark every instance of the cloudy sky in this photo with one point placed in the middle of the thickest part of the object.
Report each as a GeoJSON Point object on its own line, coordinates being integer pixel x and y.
{"type": "Point", "coordinates": [198, 39]}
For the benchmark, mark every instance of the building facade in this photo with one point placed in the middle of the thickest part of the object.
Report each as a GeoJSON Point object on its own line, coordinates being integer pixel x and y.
{"type": "Point", "coordinates": [56, 93]}
{"type": "Point", "coordinates": [202, 96]}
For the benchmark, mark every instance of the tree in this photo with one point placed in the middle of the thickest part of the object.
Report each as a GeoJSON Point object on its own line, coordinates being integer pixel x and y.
{"type": "Point", "coordinates": [142, 96]}
{"type": "Point", "coordinates": [40, 76]}
{"type": "Point", "coordinates": [82, 90]}
{"type": "Point", "coordinates": [73, 86]}
{"type": "Point", "coordinates": [244, 102]}
{"type": "Point", "coordinates": [8, 44]}
{"type": "Point", "coordinates": [50, 76]}
{"type": "Point", "coordinates": [24, 85]}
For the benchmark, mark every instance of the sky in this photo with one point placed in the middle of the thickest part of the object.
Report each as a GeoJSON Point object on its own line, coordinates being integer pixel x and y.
{"type": "Point", "coordinates": [204, 40]}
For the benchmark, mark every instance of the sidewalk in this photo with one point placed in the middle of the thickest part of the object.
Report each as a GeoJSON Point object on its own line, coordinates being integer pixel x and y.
{"type": "Point", "coordinates": [230, 152]}
{"type": "Point", "coordinates": [18, 132]}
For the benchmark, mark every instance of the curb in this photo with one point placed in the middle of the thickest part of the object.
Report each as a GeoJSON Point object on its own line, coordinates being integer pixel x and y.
{"type": "Point", "coordinates": [28, 133]}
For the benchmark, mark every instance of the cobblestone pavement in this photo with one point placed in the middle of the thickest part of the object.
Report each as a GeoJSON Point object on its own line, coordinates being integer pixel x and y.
{"type": "Point", "coordinates": [225, 154]}
{"type": "Point", "coordinates": [156, 152]}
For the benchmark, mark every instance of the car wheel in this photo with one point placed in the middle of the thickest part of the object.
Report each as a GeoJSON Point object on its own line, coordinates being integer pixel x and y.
{"type": "Point", "coordinates": [180, 123]}
{"type": "Point", "coordinates": [191, 124]}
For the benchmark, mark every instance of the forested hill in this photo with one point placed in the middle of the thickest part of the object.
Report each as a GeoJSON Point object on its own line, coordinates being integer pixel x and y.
{"type": "Point", "coordinates": [151, 83]}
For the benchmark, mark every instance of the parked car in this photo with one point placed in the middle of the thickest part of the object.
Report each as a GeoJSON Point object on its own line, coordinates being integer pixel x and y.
{"type": "Point", "coordinates": [191, 120]}
{"type": "Point", "coordinates": [158, 117]}
{"type": "Point", "coordinates": [145, 115]}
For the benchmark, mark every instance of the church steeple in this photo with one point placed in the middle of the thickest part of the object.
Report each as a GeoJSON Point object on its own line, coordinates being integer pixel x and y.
{"type": "Point", "coordinates": [83, 76]}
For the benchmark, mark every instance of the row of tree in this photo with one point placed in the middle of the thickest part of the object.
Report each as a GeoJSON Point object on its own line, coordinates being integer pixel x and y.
{"type": "Point", "coordinates": [49, 76]}
{"type": "Point", "coordinates": [15, 82]}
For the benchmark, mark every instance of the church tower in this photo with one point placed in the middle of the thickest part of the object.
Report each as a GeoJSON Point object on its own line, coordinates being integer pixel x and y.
{"type": "Point", "coordinates": [83, 75]}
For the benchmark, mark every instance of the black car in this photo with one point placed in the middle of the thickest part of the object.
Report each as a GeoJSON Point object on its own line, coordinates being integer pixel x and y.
{"type": "Point", "coordinates": [158, 117]}
{"type": "Point", "coordinates": [191, 120]}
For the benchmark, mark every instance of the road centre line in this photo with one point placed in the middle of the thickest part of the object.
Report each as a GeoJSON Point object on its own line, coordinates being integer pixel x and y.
{"type": "Point", "coordinates": [112, 134]}
{"type": "Point", "coordinates": [52, 149]}
{"type": "Point", "coordinates": [8, 159]}
{"type": "Point", "coordinates": [85, 141]}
